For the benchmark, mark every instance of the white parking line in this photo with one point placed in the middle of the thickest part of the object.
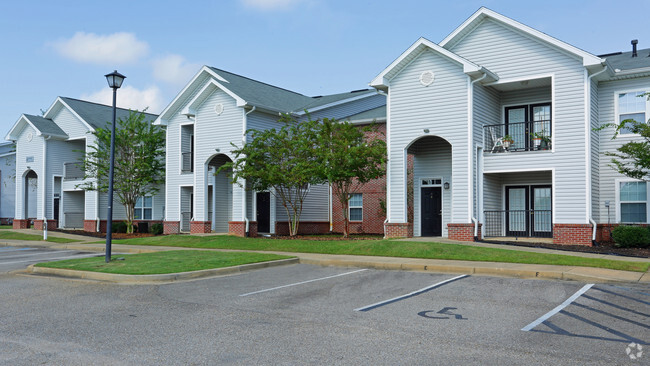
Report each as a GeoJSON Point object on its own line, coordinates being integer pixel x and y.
{"type": "Point", "coordinates": [557, 309]}
{"type": "Point", "coordinates": [57, 258]}
{"type": "Point", "coordinates": [414, 293]}
{"type": "Point", "coordinates": [41, 253]}
{"type": "Point", "coordinates": [303, 282]}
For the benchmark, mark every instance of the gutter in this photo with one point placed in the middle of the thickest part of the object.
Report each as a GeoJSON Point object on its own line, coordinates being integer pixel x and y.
{"type": "Point", "coordinates": [470, 134]}
{"type": "Point", "coordinates": [44, 186]}
{"type": "Point", "coordinates": [244, 203]}
{"type": "Point", "coordinates": [588, 150]}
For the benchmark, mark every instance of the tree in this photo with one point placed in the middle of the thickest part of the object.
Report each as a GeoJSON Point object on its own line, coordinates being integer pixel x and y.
{"type": "Point", "coordinates": [632, 159]}
{"type": "Point", "coordinates": [281, 161]}
{"type": "Point", "coordinates": [350, 156]}
{"type": "Point", "coordinates": [139, 161]}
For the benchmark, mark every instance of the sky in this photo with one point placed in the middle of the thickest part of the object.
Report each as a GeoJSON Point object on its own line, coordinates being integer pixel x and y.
{"type": "Point", "coordinates": [314, 47]}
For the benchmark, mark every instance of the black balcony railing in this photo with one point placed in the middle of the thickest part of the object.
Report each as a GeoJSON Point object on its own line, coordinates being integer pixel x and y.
{"type": "Point", "coordinates": [519, 223]}
{"type": "Point", "coordinates": [72, 171]}
{"type": "Point", "coordinates": [520, 136]}
{"type": "Point", "coordinates": [187, 162]}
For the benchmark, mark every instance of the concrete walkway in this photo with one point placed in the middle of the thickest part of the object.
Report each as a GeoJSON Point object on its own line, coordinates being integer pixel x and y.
{"type": "Point", "coordinates": [517, 270]}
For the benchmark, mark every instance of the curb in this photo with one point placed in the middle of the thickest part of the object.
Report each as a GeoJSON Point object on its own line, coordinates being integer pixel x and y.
{"type": "Point", "coordinates": [155, 278]}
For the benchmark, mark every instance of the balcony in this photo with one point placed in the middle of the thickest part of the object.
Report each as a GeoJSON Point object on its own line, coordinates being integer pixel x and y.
{"type": "Point", "coordinates": [73, 171]}
{"type": "Point", "coordinates": [519, 136]}
{"type": "Point", "coordinates": [519, 223]}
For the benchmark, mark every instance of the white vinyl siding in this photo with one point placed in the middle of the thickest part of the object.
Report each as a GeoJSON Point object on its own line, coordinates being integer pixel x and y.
{"type": "Point", "coordinates": [440, 108]}
{"type": "Point", "coordinates": [607, 100]}
{"type": "Point", "coordinates": [513, 55]}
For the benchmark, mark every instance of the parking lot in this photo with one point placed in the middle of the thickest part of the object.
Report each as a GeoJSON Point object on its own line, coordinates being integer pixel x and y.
{"type": "Point", "coordinates": [301, 314]}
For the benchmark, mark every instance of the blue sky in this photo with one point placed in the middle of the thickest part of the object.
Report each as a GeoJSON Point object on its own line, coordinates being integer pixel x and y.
{"type": "Point", "coordinates": [315, 47]}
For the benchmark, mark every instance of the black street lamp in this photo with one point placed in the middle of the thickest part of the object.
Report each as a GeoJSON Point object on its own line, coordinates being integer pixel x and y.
{"type": "Point", "coordinates": [115, 80]}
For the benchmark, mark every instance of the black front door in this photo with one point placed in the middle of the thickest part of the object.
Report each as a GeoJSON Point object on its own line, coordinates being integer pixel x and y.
{"type": "Point", "coordinates": [431, 204]}
{"type": "Point", "coordinates": [56, 209]}
{"type": "Point", "coordinates": [263, 212]}
{"type": "Point", "coordinates": [529, 211]}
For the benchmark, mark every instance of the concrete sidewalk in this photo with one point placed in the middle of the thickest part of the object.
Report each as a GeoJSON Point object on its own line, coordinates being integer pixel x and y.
{"type": "Point", "coordinates": [517, 270]}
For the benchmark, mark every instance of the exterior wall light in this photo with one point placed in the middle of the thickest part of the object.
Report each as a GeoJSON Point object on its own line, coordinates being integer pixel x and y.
{"type": "Point", "coordinates": [446, 185]}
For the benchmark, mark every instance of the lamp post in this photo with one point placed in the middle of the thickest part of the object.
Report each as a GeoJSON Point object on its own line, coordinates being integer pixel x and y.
{"type": "Point", "coordinates": [115, 80]}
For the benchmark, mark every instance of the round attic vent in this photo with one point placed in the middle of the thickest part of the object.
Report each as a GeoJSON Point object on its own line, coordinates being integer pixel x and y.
{"type": "Point", "coordinates": [30, 136]}
{"type": "Point", "coordinates": [426, 78]}
{"type": "Point", "coordinates": [218, 109]}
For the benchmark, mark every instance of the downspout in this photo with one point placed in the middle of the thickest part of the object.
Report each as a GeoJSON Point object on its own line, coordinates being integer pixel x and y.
{"type": "Point", "coordinates": [588, 151]}
{"type": "Point", "coordinates": [470, 132]}
{"type": "Point", "coordinates": [44, 186]}
{"type": "Point", "coordinates": [329, 203]}
{"type": "Point", "coordinates": [244, 208]}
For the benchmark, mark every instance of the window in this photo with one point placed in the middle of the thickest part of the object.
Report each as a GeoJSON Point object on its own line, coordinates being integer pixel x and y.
{"type": "Point", "coordinates": [634, 201]}
{"type": "Point", "coordinates": [634, 106]}
{"type": "Point", "coordinates": [144, 208]}
{"type": "Point", "coordinates": [356, 207]}
{"type": "Point", "coordinates": [187, 148]}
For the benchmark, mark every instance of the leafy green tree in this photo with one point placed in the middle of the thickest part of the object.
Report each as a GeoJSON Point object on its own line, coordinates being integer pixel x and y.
{"type": "Point", "coordinates": [350, 156]}
{"type": "Point", "coordinates": [281, 161]}
{"type": "Point", "coordinates": [139, 161]}
{"type": "Point", "coordinates": [632, 159]}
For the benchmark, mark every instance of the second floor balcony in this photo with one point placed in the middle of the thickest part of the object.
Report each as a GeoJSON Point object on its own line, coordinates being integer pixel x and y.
{"type": "Point", "coordinates": [73, 171]}
{"type": "Point", "coordinates": [519, 136]}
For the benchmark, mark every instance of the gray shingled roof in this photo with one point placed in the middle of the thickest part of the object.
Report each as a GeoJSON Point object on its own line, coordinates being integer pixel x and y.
{"type": "Point", "coordinates": [45, 125]}
{"type": "Point", "coordinates": [99, 115]}
{"type": "Point", "coordinates": [378, 113]}
{"type": "Point", "coordinates": [263, 95]}
{"type": "Point", "coordinates": [267, 96]}
{"type": "Point", "coordinates": [625, 61]}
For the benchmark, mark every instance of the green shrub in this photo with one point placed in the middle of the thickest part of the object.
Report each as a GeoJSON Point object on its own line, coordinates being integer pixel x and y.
{"type": "Point", "coordinates": [631, 236]}
{"type": "Point", "coordinates": [120, 227]}
{"type": "Point", "coordinates": [157, 229]}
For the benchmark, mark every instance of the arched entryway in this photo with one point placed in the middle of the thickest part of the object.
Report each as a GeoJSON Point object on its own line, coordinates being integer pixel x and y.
{"type": "Point", "coordinates": [220, 193]}
{"type": "Point", "coordinates": [30, 195]}
{"type": "Point", "coordinates": [430, 184]}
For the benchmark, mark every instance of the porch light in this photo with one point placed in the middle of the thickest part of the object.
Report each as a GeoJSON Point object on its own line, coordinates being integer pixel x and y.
{"type": "Point", "coordinates": [426, 130]}
{"type": "Point", "coordinates": [115, 79]}
{"type": "Point", "coordinates": [446, 185]}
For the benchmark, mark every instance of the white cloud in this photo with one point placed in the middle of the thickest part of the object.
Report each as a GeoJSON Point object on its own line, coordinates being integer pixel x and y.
{"type": "Point", "coordinates": [116, 48]}
{"type": "Point", "coordinates": [174, 69]}
{"type": "Point", "coordinates": [270, 4]}
{"type": "Point", "coordinates": [130, 97]}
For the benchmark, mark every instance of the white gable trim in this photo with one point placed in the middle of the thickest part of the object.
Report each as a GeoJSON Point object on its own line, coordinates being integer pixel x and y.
{"type": "Point", "coordinates": [19, 123]}
{"type": "Point", "coordinates": [587, 58]}
{"type": "Point", "coordinates": [59, 100]}
{"type": "Point", "coordinates": [209, 87]}
{"type": "Point", "coordinates": [468, 66]}
{"type": "Point", "coordinates": [219, 82]}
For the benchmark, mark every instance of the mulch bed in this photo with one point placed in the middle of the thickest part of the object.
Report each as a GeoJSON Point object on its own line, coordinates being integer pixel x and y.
{"type": "Point", "coordinates": [324, 237]}
{"type": "Point", "coordinates": [103, 235]}
{"type": "Point", "coordinates": [601, 248]}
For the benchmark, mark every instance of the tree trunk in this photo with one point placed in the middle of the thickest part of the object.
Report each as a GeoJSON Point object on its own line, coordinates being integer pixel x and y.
{"type": "Point", "coordinates": [346, 220]}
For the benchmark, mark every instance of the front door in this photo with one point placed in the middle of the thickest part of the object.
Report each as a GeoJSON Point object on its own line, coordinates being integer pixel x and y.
{"type": "Point", "coordinates": [529, 211]}
{"type": "Point", "coordinates": [263, 212]}
{"type": "Point", "coordinates": [431, 203]}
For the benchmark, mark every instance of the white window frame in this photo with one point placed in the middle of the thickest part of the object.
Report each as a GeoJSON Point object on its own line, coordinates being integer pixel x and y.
{"type": "Point", "coordinates": [617, 192]}
{"type": "Point", "coordinates": [350, 207]}
{"type": "Point", "coordinates": [617, 114]}
{"type": "Point", "coordinates": [143, 208]}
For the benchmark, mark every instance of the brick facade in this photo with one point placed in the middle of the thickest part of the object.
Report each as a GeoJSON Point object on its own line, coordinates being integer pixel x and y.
{"type": "Point", "coordinates": [399, 230]}
{"type": "Point", "coordinates": [171, 227]}
{"type": "Point", "coordinates": [573, 234]}
{"type": "Point", "coordinates": [238, 228]}
{"type": "Point", "coordinates": [51, 224]}
{"type": "Point", "coordinates": [21, 224]}
{"type": "Point", "coordinates": [604, 232]}
{"type": "Point", "coordinates": [90, 226]}
{"type": "Point", "coordinates": [200, 227]}
{"type": "Point", "coordinates": [305, 227]}
{"type": "Point", "coordinates": [462, 232]}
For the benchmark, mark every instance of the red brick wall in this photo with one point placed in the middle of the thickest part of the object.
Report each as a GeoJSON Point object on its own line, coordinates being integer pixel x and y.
{"type": "Point", "coordinates": [238, 228]}
{"type": "Point", "coordinates": [51, 224]}
{"type": "Point", "coordinates": [305, 227]}
{"type": "Point", "coordinates": [399, 230]}
{"type": "Point", "coordinates": [573, 234]}
{"type": "Point", "coordinates": [171, 227]}
{"type": "Point", "coordinates": [90, 226]}
{"type": "Point", "coordinates": [6, 220]}
{"type": "Point", "coordinates": [21, 224]}
{"type": "Point", "coordinates": [462, 232]}
{"type": "Point", "coordinates": [200, 227]}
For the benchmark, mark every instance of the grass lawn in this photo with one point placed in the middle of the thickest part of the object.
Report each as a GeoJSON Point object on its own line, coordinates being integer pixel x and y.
{"type": "Point", "coordinates": [20, 236]}
{"type": "Point", "coordinates": [163, 262]}
{"type": "Point", "coordinates": [385, 248]}
{"type": "Point", "coordinates": [3, 227]}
